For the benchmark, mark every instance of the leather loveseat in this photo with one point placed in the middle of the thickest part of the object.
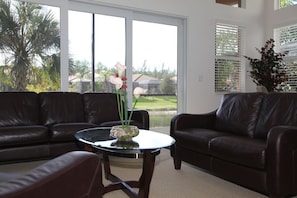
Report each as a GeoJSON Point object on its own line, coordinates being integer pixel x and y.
{"type": "Point", "coordinates": [251, 140]}
{"type": "Point", "coordinates": [42, 125]}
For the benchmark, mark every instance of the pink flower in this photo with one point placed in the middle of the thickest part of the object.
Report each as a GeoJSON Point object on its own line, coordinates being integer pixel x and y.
{"type": "Point", "coordinates": [138, 91]}
{"type": "Point", "coordinates": [116, 81]}
{"type": "Point", "coordinates": [121, 69]}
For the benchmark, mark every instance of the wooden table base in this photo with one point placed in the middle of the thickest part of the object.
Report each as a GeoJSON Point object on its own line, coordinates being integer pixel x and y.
{"type": "Point", "coordinates": [143, 184]}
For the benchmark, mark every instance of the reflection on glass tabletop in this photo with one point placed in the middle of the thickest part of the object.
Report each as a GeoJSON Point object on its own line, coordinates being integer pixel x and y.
{"type": "Point", "coordinates": [99, 137]}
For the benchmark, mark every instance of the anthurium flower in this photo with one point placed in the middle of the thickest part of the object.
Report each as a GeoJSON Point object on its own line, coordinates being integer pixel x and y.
{"type": "Point", "coordinates": [138, 91]}
{"type": "Point", "coordinates": [121, 69]}
{"type": "Point", "coordinates": [116, 81]}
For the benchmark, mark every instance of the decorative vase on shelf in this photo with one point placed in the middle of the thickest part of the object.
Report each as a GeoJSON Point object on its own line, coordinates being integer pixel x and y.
{"type": "Point", "coordinates": [124, 133]}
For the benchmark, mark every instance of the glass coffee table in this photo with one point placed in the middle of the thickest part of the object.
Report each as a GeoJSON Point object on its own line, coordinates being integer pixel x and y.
{"type": "Point", "coordinates": [146, 145]}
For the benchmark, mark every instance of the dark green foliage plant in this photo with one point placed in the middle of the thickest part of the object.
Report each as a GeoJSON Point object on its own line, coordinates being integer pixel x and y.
{"type": "Point", "coordinates": [167, 86]}
{"type": "Point", "coordinates": [270, 70]}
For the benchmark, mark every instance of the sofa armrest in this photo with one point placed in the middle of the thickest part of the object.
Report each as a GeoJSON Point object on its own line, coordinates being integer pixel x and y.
{"type": "Point", "coordinates": [142, 117]}
{"type": "Point", "coordinates": [282, 160]}
{"type": "Point", "coordinates": [185, 121]}
{"type": "Point", "coordinates": [76, 174]}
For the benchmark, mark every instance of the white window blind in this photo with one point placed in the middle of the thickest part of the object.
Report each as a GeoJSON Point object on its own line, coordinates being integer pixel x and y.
{"type": "Point", "coordinates": [286, 40]}
{"type": "Point", "coordinates": [227, 58]}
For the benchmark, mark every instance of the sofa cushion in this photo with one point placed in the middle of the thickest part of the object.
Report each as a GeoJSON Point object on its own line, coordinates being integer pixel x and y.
{"type": "Point", "coordinates": [249, 152]}
{"type": "Point", "coordinates": [64, 132]}
{"type": "Point", "coordinates": [238, 113]}
{"type": "Point", "coordinates": [23, 135]}
{"type": "Point", "coordinates": [100, 107]}
{"type": "Point", "coordinates": [196, 139]}
{"type": "Point", "coordinates": [277, 109]}
{"type": "Point", "coordinates": [61, 107]}
{"type": "Point", "coordinates": [6, 176]}
{"type": "Point", "coordinates": [19, 108]}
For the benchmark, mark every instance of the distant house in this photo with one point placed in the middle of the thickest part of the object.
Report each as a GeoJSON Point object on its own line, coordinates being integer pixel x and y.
{"type": "Point", "coordinates": [151, 84]}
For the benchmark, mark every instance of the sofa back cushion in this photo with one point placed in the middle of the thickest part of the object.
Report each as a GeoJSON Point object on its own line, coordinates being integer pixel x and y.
{"type": "Point", "coordinates": [100, 107]}
{"type": "Point", "coordinates": [19, 108]}
{"type": "Point", "coordinates": [277, 109]}
{"type": "Point", "coordinates": [61, 107]}
{"type": "Point", "coordinates": [238, 113]}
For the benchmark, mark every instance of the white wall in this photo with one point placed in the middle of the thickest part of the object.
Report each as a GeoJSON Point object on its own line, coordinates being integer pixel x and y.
{"type": "Point", "coordinates": [202, 16]}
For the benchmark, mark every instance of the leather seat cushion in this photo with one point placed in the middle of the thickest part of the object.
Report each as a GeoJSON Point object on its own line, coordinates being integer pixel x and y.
{"type": "Point", "coordinates": [19, 108]}
{"type": "Point", "coordinates": [196, 139]}
{"type": "Point", "coordinates": [61, 107]}
{"type": "Point", "coordinates": [241, 150]}
{"type": "Point", "coordinates": [277, 109]}
{"type": "Point", "coordinates": [23, 135]}
{"type": "Point", "coordinates": [65, 131]}
{"type": "Point", "coordinates": [238, 113]}
{"type": "Point", "coordinates": [100, 107]}
{"type": "Point", "coordinates": [4, 177]}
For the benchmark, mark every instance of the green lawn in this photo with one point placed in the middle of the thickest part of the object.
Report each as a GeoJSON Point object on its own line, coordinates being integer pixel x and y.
{"type": "Point", "coordinates": [157, 105]}
{"type": "Point", "coordinates": [160, 120]}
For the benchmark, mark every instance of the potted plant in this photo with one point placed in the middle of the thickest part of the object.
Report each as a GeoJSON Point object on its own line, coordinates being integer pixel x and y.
{"type": "Point", "coordinates": [269, 71]}
{"type": "Point", "coordinates": [125, 131]}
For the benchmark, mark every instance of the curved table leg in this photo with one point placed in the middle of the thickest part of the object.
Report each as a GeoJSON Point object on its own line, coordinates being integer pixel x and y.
{"type": "Point", "coordinates": [143, 183]}
{"type": "Point", "coordinates": [147, 173]}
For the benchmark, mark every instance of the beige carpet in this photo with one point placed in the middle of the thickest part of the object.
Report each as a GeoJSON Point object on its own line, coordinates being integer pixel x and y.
{"type": "Point", "coordinates": [189, 182]}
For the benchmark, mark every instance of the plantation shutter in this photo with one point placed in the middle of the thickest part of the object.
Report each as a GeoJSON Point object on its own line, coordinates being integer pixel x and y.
{"type": "Point", "coordinates": [227, 58]}
{"type": "Point", "coordinates": [286, 40]}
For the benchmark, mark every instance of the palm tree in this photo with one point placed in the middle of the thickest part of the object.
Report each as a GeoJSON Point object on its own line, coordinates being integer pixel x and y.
{"type": "Point", "coordinates": [27, 34]}
{"type": "Point", "coordinates": [286, 3]}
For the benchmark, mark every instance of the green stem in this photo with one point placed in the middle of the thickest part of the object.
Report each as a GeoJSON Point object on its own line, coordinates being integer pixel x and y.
{"type": "Point", "coordinates": [120, 106]}
{"type": "Point", "coordinates": [126, 109]}
{"type": "Point", "coordinates": [131, 113]}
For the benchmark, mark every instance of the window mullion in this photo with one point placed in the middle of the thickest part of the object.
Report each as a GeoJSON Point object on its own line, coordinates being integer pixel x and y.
{"type": "Point", "coordinates": [128, 58]}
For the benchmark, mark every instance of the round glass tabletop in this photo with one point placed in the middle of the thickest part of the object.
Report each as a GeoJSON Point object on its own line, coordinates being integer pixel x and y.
{"type": "Point", "coordinates": [146, 140]}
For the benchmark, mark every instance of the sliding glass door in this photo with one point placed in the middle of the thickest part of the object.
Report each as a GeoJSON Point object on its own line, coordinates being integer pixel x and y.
{"type": "Point", "coordinates": [155, 69]}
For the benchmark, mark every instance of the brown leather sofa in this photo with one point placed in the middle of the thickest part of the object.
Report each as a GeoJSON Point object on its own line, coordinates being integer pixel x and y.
{"type": "Point", "coordinates": [75, 174]}
{"type": "Point", "coordinates": [42, 125]}
{"type": "Point", "coordinates": [251, 140]}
